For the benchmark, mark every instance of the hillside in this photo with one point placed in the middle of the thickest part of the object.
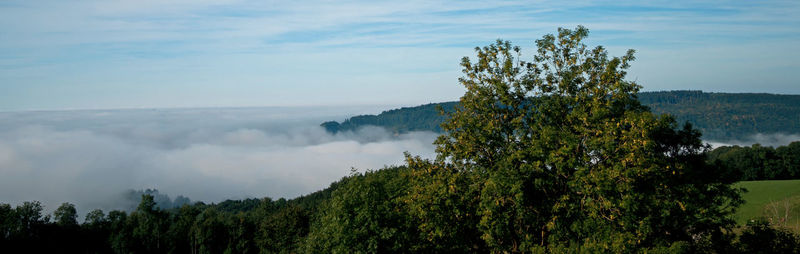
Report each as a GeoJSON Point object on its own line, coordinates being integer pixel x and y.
{"type": "Point", "coordinates": [720, 116]}
{"type": "Point", "coordinates": [420, 118]}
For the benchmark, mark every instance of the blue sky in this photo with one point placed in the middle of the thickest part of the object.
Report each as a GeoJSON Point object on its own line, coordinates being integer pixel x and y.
{"type": "Point", "coordinates": [92, 54]}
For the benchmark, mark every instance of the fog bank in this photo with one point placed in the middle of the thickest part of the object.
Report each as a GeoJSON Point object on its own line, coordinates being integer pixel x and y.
{"type": "Point", "coordinates": [772, 139]}
{"type": "Point", "coordinates": [93, 158]}
{"type": "Point", "coordinates": [90, 158]}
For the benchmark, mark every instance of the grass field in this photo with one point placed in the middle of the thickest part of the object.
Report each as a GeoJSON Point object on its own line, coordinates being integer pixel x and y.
{"type": "Point", "coordinates": [776, 199]}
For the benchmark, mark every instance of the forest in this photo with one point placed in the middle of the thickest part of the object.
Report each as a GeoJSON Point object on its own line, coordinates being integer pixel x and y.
{"type": "Point", "coordinates": [758, 162]}
{"type": "Point", "coordinates": [363, 212]}
{"type": "Point", "coordinates": [719, 116]}
{"type": "Point", "coordinates": [584, 167]}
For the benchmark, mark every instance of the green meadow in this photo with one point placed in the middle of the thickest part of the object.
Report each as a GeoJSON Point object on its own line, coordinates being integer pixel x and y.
{"type": "Point", "coordinates": [776, 200]}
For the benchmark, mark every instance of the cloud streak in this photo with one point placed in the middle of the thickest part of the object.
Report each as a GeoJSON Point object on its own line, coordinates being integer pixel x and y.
{"type": "Point", "coordinates": [221, 53]}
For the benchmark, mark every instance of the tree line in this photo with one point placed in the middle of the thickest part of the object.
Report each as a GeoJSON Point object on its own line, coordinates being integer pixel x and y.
{"type": "Point", "coordinates": [407, 119]}
{"type": "Point", "coordinates": [758, 162]}
{"type": "Point", "coordinates": [377, 211]}
{"type": "Point", "coordinates": [234, 226]}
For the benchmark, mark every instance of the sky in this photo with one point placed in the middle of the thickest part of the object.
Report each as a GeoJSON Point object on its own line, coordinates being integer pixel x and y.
{"type": "Point", "coordinates": [99, 54]}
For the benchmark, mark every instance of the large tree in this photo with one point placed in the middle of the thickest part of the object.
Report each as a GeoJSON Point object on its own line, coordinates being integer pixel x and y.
{"type": "Point", "coordinates": [557, 152]}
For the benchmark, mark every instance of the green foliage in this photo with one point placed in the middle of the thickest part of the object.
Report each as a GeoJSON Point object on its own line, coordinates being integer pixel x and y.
{"type": "Point", "coordinates": [180, 229]}
{"type": "Point", "coordinates": [25, 228]}
{"type": "Point", "coordinates": [234, 206]}
{"type": "Point", "coordinates": [95, 217]}
{"type": "Point", "coordinates": [443, 201]}
{"type": "Point", "coordinates": [29, 216]}
{"type": "Point", "coordinates": [724, 116]}
{"type": "Point", "coordinates": [66, 215]}
{"type": "Point", "coordinates": [283, 231]}
{"type": "Point", "coordinates": [759, 162]}
{"type": "Point", "coordinates": [760, 237]}
{"type": "Point", "coordinates": [364, 215]}
{"type": "Point", "coordinates": [162, 201]}
{"type": "Point", "coordinates": [7, 221]}
{"type": "Point", "coordinates": [148, 226]}
{"type": "Point", "coordinates": [561, 154]}
{"type": "Point", "coordinates": [120, 239]}
{"type": "Point", "coordinates": [426, 207]}
{"type": "Point", "coordinates": [95, 232]}
{"type": "Point", "coordinates": [244, 227]}
{"type": "Point", "coordinates": [210, 232]}
{"type": "Point", "coordinates": [420, 118]}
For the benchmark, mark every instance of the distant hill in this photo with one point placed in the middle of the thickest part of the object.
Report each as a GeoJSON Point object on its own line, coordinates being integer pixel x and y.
{"type": "Point", "coordinates": [720, 116]}
{"type": "Point", "coordinates": [420, 118]}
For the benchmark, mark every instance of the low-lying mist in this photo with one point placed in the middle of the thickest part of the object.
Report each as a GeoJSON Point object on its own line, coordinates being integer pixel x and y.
{"type": "Point", "coordinates": [773, 140]}
{"type": "Point", "coordinates": [91, 158]}
{"type": "Point", "coordinates": [95, 158]}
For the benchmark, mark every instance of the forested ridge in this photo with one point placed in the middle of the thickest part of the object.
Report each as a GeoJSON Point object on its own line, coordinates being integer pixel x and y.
{"type": "Point", "coordinates": [719, 116]}
{"type": "Point", "coordinates": [553, 153]}
{"type": "Point", "coordinates": [725, 116]}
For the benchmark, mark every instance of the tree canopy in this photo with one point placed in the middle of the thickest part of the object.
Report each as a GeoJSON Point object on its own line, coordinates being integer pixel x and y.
{"type": "Point", "coordinates": [559, 153]}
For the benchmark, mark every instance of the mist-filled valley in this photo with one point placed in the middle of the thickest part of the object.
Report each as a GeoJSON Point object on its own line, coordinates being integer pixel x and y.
{"type": "Point", "coordinates": [92, 158]}
{"type": "Point", "coordinates": [97, 158]}
{"type": "Point", "coordinates": [240, 126]}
